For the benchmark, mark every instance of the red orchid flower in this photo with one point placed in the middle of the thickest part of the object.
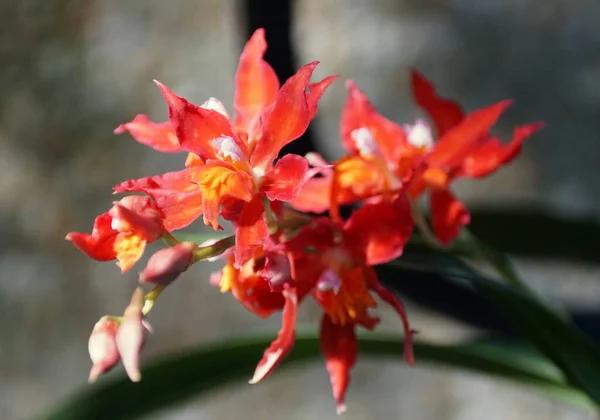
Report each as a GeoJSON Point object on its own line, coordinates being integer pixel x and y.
{"type": "Point", "coordinates": [334, 259]}
{"type": "Point", "coordinates": [465, 149]}
{"type": "Point", "coordinates": [249, 286]}
{"type": "Point", "coordinates": [123, 232]}
{"type": "Point", "coordinates": [233, 161]}
{"type": "Point", "coordinates": [384, 156]}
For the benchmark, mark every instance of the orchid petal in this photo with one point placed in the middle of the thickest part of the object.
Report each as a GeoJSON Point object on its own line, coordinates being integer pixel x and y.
{"type": "Point", "coordinates": [382, 229]}
{"type": "Point", "coordinates": [196, 127]}
{"type": "Point", "coordinates": [158, 136]}
{"type": "Point", "coordinates": [340, 349]}
{"type": "Point", "coordinates": [287, 118]}
{"type": "Point", "coordinates": [286, 178]}
{"type": "Point", "coordinates": [284, 342]}
{"type": "Point", "coordinates": [256, 82]}
{"type": "Point", "coordinates": [179, 199]}
{"type": "Point", "coordinates": [445, 113]}
{"type": "Point", "coordinates": [448, 215]}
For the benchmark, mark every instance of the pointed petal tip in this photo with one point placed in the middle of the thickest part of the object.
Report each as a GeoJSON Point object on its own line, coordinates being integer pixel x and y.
{"type": "Point", "coordinates": [350, 84]}
{"type": "Point", "coordinates": [416, 74]}
{"type": "Point", "coordinates": [308, 69]}
{"type": "Point", "coordinates": [409, 357]}
{"type": "Point", "coordinates": [340, 408]}
{"type": "Point", "coordinates": [259, 33]}
{"type": "Point", "coordinates": [166, 92]}
{"type": "Point", "coordinates": [120, 129]}
{"type": "Point", "coordinates": [135, 376]}
{"type": "Point", "coordinates": [536, 126]}
{"type": "Point", "coordinates": [94, 374]}
{"type": "Point", "coordinates": [147, 325]}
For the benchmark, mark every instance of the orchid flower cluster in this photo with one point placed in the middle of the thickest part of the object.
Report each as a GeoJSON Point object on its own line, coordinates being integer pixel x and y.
{"type": "Point", "coordinates": [284, 250]}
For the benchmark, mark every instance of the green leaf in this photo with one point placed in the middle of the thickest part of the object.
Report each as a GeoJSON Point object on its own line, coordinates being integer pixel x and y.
{"type": "Point", "coordinates": [176, 379]}
{"type": "Point", "coordinates": [533, 232]}
{"type": "Point", "coordinates": [571, 350]}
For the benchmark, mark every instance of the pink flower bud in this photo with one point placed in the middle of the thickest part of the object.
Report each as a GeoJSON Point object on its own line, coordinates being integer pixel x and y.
{"type": "Point", "coordinates": [103, 347]}
{"type": "Point", "coordinates": [130, 336]}
{"type": "Point", "coordinates": [167, 264]}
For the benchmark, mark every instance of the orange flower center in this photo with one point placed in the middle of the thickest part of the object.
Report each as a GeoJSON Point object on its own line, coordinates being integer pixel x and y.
{"type": "Point", "coordinates": [128, 247]}
{"type": "Point", "coordinates": [342, 290]}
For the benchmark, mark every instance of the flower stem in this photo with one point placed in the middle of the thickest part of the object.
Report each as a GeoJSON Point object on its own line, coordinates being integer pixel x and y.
{"type": "Point", "coordinates": [474, 248]}
{"type": "Point", "coordinates": [270, 218]}
{"type": "Point", "coordinates": [498, 260]}
{"type": "Point", "coordinates": [428, 236]}
{"type": "Point", "coordinates": [213, 250]}
{"type": "Point", "coordinates": [170, 239]}
{"type": "Point", "coordinates": [151, 297]}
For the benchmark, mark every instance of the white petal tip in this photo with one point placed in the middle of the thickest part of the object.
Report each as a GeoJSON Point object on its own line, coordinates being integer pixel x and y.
{"type": "Point", "coordinates": [340, 409]}
{"type": "Point", "coordinates": [135, 376]}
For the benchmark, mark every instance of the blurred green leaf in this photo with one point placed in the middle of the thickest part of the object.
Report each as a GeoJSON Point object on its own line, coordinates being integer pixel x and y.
{"type": "Point", "coordinates": [571, 350]}
{"type": "Point", "coordinates": [533, 232]}
{"type": "Point", "coordinates": [176, 379]}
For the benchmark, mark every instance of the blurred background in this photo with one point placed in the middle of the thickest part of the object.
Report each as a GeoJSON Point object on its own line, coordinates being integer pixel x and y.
{"type": "Point", "coordinates": [72, 71]}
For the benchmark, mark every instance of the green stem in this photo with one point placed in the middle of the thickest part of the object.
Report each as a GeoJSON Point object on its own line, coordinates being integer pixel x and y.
{"type": "Point", "coordinates": [498, 260]}
{"type": "Point", "coordinates": [170, 239]}
{"type": "Point", "coordinates": [150, 298]}
{"type": "Point", "coordinates": [270, 218]}
{"type": "Point", "coordinates": [426, 234]}
{"type": "Point", "coordinates": [472, 246]}
{"type": "Point", "coordinates": [213, 250]}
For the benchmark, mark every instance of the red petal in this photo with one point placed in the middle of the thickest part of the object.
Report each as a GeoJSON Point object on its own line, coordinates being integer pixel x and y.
{"type": "Point", "coordinates": [445, 113]}
{"type": "Point", "coordinates": [197, 127]}
{"type": "Point", "coordinates": [320, 235]}
{"type": "Point", "coordinates": [448, 215]}
{"type": "Point", "coordinates": [287, 119]}
{"type": "Point", "coordinates": [284, 342]}
{"type": "Point", "coordinates": [381, 229]}
{"type": "Point", "coordinates": [340, 349]}
{"type": "Point", "coordinates": [360, 113]}
{"type": "Point", "coordinates": [492, 154]}
{"type": "Point", "coordinates": [159, 136]}
{"type": "Point", "coordinates": [286, 178]}
{"type": "Point", "coordinates": [460, 141]}
{"type": "Point", "coordinates": [250, 230]}
{"type": "Point", "coordinates": [314, 196]}
{"type": "Point", "coordinates": [391, 299]}
{"type": "Point", "coordinates": [179, 199]}
{"type": "Point", "coordinates": [315, 91]}
{"type": "Point", "coordinates": [256, 82]}
{"type": "Point", "coordinates": [138, 215]}
{"type": "Point", "coordinates": [100, 244]}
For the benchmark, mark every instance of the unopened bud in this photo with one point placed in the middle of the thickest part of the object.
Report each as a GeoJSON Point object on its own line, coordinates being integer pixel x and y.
{"type": "Point", "coordinates": [130, 336]}
{"type": "Point", "coordinates": [167, 264]}
{"type": "Point", "coordinates": [102, 346]}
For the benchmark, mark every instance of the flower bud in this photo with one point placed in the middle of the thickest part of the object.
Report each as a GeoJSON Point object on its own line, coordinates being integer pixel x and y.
{"type": "Point", "coordinates": [102, 347]}
{"type": "Point", "coordinates": [167, 264]}
{"type": "Point", "coordinates": [130, 336]}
